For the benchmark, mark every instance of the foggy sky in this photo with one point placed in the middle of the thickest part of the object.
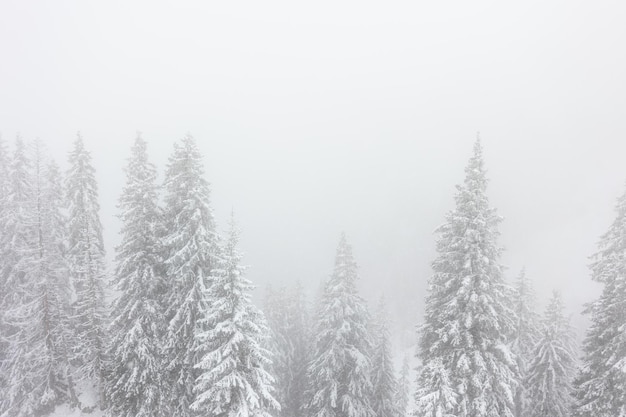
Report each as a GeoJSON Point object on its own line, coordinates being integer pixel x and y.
{"type": "Point", "coordinates": [343, 115]}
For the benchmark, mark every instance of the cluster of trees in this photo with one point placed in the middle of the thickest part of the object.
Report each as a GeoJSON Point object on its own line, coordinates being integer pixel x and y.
{"type": "Point", "coordinates": [181, 336]}
{"type": "Point", "coordinates": [484, 350]}
{"type": "Point", "coordinates": [337, 361]}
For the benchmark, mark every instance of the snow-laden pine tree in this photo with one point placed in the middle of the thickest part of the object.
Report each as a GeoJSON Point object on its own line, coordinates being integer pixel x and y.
{"type": "Point", "coordinates": [403, 396]}
{"type": "Point", "coordinates": [275, 311]}
{"type": "Point", "coordinates": [190, 250]}
{"type": "Point", "coordinates": [600, 386]}
{"type": "Point", "coordinates": [38, 368]}
{"type": "Point", "coordinates": [435, 395]}
{"type": "Point", "coordinates": [16, 237]}
{"type": "Point", "coordinates": [135, 383]}
{"type": "Point", "coordinates": [384, 382]}
{"type": "Point", "coordinates": [17, 226]}
{"type": "Point", "coordinates": [468, 368]}
{"type": "Point", "coordinates": [233, 380]}
{"type": "Point", "coordinates": [340, 369]}
{"type": "Point", "coordinates": [526, 334]}
{"type": "Point", "coordinates": [87, 270]}
{"type": "Point", "coordinates": [288, 318]}
{"type": "Point", "coordinates": [550, 373]}
{"type": "Point", "coordinates": [4, 329]}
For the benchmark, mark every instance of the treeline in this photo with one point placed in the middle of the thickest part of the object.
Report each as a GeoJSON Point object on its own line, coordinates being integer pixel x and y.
{"type": "Point", "coordinates": [181, 336]}
{"type": "Point", "coordinates": [485, 352]}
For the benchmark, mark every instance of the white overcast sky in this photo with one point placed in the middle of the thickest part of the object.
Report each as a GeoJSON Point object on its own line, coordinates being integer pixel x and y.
{"type": "Point", "coordinates": [317, 117]}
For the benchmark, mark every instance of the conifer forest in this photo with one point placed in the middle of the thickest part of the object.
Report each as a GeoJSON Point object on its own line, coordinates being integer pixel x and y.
{"type": "Point", "coordinates": [173, 329]}
{"type": "Point", "coordinates": [312, 209]}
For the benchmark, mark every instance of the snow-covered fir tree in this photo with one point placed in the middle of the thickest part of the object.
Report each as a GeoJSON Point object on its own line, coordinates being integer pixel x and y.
{"type": "Point", "coordinates": [600, 386]}
{"type": "Point", "coordinates": [526, 334]}
{"type": "Point", "coordinates": [87, 269]}
{"type": "Point", "coordinates": [4, 328]}
{"type": "Point", "coordinates": [435, 395]}
{"type": "Point", "coordinates": [468, 368]}
{"type": "Point", "coordinates": [190, 251]}
{"type": "Point", "coordinates": [287, 315]}
{"type": "Point", "coordinates": [403, 396]}
{"type": "Point", "coordinates": [17, 235]}
{"type": "Point", "coordinates": [38, 367]}
{"type": "Point", "coordinates": [550, 373]}
{"type": "Point", "coordinates": [275, 311]}
{"type": "Point", "coordinates": [16, 222]}
{"type": "Point", "coordinates": [384, 382]}
{"type": "Point", "coordinates": [340, 369]}
{"type": "Point", "coordinates": [135, 383]}
{"type": "Point", "coordinates": [233, 380]}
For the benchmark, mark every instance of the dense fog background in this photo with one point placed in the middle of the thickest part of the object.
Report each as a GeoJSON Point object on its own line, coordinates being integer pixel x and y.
{"type": "Point", "coordinates": [354, 116]}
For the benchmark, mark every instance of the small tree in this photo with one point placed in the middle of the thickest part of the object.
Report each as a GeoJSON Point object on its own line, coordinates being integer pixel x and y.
{"type": "Point", "coordinates": [340, 369]}
{"type": "Point", "coordinates": [385, 385]}
{"type": "Point", "coordinates": [550, 373]}
{"type": "Point", "coordinates": [525, 336]}
{"type": "Point", "coordinates": [288, 318]}
{"type": "Point", "coordinates": [403, 395]}
{"type": "Point", "coordinates": [233, 380]}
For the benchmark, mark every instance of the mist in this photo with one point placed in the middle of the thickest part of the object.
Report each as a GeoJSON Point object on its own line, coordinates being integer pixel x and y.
{"type": "Point", "coordinates": [356, 117]}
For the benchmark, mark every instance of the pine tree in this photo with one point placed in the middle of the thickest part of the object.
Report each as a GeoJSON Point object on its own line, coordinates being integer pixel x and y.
{"type": "Point", "coordinates": [14, 242]}
{"type": "Point", "coordinates": [190, 252]}
{"type": "Point", "coordinates": [288, 319]}
{"type": "Point", "coordinates": [17, 235]}
{"type": "Point", "coordinates": [233, 380]}
{"type": "Point", "coordinates": [435, 395]}
{"type": "Point", "coordinates": [277, 315]}
{"type": "Point", "coordinates": [135, 386]}
{"type": "Point", "coordinates": [87, 269]}
{"type": "Point", "coordinates": [38, 366]}
{"type": "Point", "coordinates": [4, 328]}
{"type": "Point", "coordinates": [552, 369]}
{"type": "Point", "coordinates": [385, 385]}
{"type": "Point", "coordinates": [340, 369]}
{"type": "Point", "coordinates": [600, 386]}
{"type": "Point", "coordinates": [526, 334]}
{"type": "Point", "coordinates": [299, 332]}
{"type": "Point", "coordinates": [404, 383]}
{"type": "Point", "coordinates": [468, 369]}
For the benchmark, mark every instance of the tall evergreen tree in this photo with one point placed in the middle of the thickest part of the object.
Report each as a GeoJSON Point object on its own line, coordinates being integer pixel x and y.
{"type": "Point", "coordinates": [600, 386]}
{"type": "Point", "coordinates": [135, 386]}
{"type": "Point", "coordinates": [38, 365]}
{"type": "Point", "coordinates": [384, 382]}
{"type": "Point", "coordinates": [340, 369]}
{"type": "Point", "coordinates": [4, 218]}
{"type": "Point", "coordinates": [4, 243]}
{"type": "Point", "coordinates": [17, 225]}
{"type": "Point", "coordinates": [467, 364]}
{"type": "Point", "coordinates": [87, 269]}
{"type": "Point", "coordinates": [526, 334]}
{"type": "Point", "coordinates": [404, 385]}
{"type": "Point", "coordinates": [14, 242]}
{"type": "Point", "coordinates": [552, 369]}
{"type": "Point", "coordinates": [233, 380]}
{"type": "Point", "coordinates": [190, 252]}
